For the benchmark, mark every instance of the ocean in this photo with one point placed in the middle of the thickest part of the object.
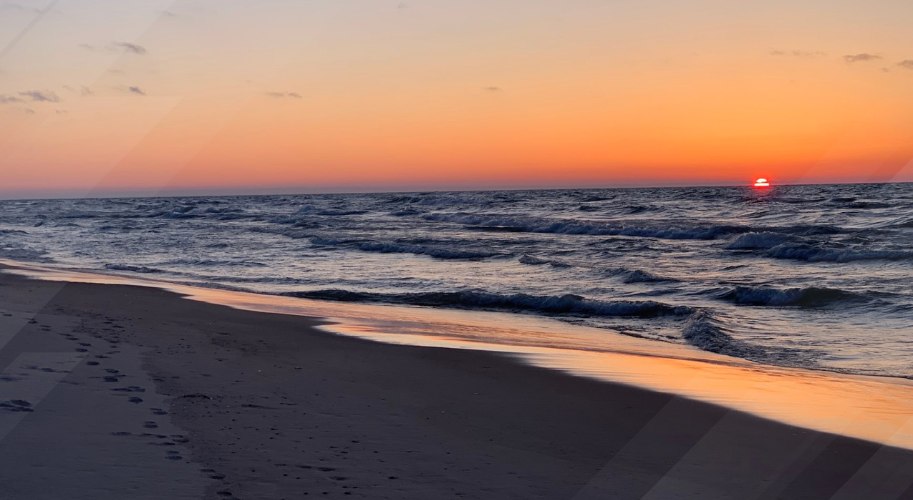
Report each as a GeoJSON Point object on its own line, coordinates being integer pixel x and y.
{"type": "Point", "coordinates": [817, 277]}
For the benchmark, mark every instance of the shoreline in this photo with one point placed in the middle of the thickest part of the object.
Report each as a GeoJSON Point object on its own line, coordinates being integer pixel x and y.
{"type": "Point", "coordinates": [871, 408]}
{"type": "Point", "coordinates": [266, 405]}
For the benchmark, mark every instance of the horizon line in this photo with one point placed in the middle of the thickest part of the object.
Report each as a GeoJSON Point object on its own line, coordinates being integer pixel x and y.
{"type": "Point", "coordinates": [302, 191]}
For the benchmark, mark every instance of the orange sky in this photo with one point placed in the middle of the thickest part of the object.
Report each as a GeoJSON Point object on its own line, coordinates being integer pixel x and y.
{"type": "Point", "coordinates": [161, 96]}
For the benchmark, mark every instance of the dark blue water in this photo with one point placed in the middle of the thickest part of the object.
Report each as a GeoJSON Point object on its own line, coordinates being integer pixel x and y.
{"type": "Point", "coordinates": [812, 276]}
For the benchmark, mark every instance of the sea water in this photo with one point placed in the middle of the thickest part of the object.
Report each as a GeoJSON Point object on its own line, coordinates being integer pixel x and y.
{"type": "Point", "coordinates": [817, 277]}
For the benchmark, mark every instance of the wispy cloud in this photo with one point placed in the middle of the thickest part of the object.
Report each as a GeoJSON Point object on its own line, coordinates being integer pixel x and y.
{"type": "Point", "coordinates": [131, 47]}
{"type": "Point", "coordinates": [492, 88]}
{"type": "Point", "coordinates": [82, 90]}
{"type": "Point", "coordinates": [39, 96]}
{"type": "Point", "coordinates": [136, 90]}
{"type": "Point", "coordinates": [10, 99]}
{"type": "Point", "coordinates": [798, 53]}
{"type": "Point", "coordinates": [906, 64]}
{"type": "Point", "coordinates": [284, 95]}
{"type": "Point", "coordinates": [862, 57]}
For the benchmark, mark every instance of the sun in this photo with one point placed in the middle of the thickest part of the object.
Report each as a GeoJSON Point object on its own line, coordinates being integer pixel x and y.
{"type": "Point", "coordinates": [761, 182]}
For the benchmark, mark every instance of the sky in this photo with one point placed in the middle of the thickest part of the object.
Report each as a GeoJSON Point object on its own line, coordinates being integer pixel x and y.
{"type": "Point", "coordinates": [182, 96]}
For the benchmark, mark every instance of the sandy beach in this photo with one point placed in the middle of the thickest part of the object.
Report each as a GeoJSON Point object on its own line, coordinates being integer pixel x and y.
{"type": "Point", "coordinates": [128, 392]}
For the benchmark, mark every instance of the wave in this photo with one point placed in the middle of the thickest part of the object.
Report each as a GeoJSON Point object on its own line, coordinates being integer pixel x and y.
{"type": "Point", "coordinates": [758, 241]}
{"type": "Point", "coordinates": [133, 269]}
{"type": "Point", "coordinates": [567, 304]}
{"type": "Point", "coordinates": [704, 331]}
{"type": "Point", "coordinates": [536, 261]}
{"type": "Point", "coordinates": [797, 297]}
{"type": "Point", "coordinates": [901, 223]}
{"type": "Point", "coordinates": [869, 204]}
{"type": "Point", "coordinates": [23, 254]}
{"type": "Point", "coordinates": [812, 253]}
{"type": "Point", "coordinates": [435, 251]}
{"type": "Point", "coordinates": [340, 213]}
{"type": "Point", "coordinates": [214, 263]}
{"type": "Point", "coordinates": [590, 208]}
{"type": "Point", "coordinates": [501, 223]}
{"type": "Point", "coordinates": [530, 225]}
{"type": "Point", "coordinates": [406, 212]}
{"type": "Point", "coordinates": [638, 276]}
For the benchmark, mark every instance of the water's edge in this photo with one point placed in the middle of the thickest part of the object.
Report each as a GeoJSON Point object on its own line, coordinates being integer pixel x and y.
{"type": "Point", "coordinates": [877, 409]}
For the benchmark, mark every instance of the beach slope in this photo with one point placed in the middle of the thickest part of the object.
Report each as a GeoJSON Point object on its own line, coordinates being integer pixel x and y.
{"type": "Point", "coordinates": [128, 392]}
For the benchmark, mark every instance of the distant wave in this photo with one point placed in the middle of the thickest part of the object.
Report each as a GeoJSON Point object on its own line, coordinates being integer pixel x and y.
{"type": "Point", "coordinates": [798, 297]}
{"type": "Point", "coordinates": [638, 276]}
{"type": "Point", "coordinates": [758, 241]}
{"type": "Point", "coordinates": [531, 225]}
{"type": "Point", "coordinates": [868, 204]}
{"type": "Point", "coordinates": [502, 223]}
{"type": "Point", "coordinates": [536, 261]}
{"type": "Point", "coordinates": [902, 223]}
{"type": "Point", "coordinates": [340, 212]}
{"type": "Point", "coordinates": [470, 299]}
{"type": "Point", "coordinates": [435, 251]}
{"type": "Point", "coordinates": [813, 253]}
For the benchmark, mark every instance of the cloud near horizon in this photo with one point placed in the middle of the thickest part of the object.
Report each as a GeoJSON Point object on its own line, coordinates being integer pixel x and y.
{"type": "Point", "coordinates": [131, 47]}
{"type": "Point", "coordinates": [136, 90]}
{"type": "Point", "coordinates": [906, 64]}
{"type": "Point", "coordinates": [128, 47]}
{"type": "Point", "coordinates": [40, 96]}
{"type": "Point", "coordinates": [29, 96]}
{"type": "Point", "coordinates": [861, 57]}
{"type": "Point", "coordinates": [284, 95]}
{"type": "Point", "coordinates": [798, 53]}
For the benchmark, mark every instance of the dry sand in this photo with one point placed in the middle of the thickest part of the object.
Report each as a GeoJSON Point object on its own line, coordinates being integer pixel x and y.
{"type": "Point", "coordinates": [126, 392]}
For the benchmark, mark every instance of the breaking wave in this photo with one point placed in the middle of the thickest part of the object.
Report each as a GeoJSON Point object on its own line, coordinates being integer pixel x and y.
{"type": "Point", "coordinates": [536, 261]}
{"type": "Point", "coordinates": [814, 253]}
{"type": "Point", "coordinates": [797, 297]}
{"type": "Point", "coordinates": [133, 269]}
{"type": "Point", "coordinates": [567, 304]}
{"type": "Point", "coordinates": [435, 251]}
{"type": "Point", "coordinates": [758, 241]}
{"type": "Point", "coordinates": [638, 276]}
{"type": "Point", "coordinates": [707, 333]}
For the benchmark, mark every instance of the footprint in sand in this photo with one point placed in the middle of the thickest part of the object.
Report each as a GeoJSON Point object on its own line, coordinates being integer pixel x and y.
{"type": "Point", "coordinates": [129, 388]}
{"type": "Point", "coordinates": [16, 405]}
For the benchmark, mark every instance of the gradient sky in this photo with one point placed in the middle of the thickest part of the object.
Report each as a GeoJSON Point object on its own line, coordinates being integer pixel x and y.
{"type": "Point", "coordinates": [153, 96]}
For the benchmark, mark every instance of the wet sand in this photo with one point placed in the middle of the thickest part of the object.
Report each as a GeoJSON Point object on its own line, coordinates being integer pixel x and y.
{"type": "Point", "coordinates": [127, 392]}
